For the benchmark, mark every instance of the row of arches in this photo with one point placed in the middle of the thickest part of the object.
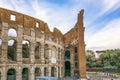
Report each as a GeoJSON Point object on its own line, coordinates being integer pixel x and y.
{"type": "Point", "coordinates": [12, 32]}
{"type": "Point", "coordinates": [26, 47]}
{"type": "Point", "coordinates": [12, 73]}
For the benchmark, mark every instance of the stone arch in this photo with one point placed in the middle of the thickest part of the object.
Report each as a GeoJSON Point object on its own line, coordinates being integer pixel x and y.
{"type": "Point", "coordinates": [25, 49]}
{"type": "Point", "coordinates": [53, 71]}
{"type": "Point", "coordinates": [67, 68]}
{"type": "Point", "coordinates": [46, 71]}
{"type": "Point", "coordinates": [37, 50]}
{"type": "Point", "coordinates": [0, 47]}
{"type": "Point", "coordinates": [37, 71]}
{"type": "Point", "coordinates": [12, 50]}
{"type": "Point", "coordinates": [11, 74]}
{"type": "Point", "coordinates": [67, 54]}
{"type": "Point", "coordinates": [12, 32]}
{"type": "Point", "coordinates": [25, 74]}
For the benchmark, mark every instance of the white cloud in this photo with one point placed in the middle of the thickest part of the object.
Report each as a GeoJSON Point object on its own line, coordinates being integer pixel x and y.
{"type": "Point", "coordinates": [106, 38]}
{"type": "Point", "coordinates": [64, 17]}
{"type": "Point", "coordinates": [110, 5]}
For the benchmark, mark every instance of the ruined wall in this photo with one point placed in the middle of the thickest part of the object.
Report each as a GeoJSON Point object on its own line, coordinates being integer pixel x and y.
{"type": "Point", "coordinates": [42, 45]}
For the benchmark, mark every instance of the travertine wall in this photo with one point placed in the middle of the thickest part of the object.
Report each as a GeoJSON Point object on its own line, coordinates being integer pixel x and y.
{"type": "Point", "coordinates": [26, 29]}
{"type": "Point", "coordinates": [44, 45]}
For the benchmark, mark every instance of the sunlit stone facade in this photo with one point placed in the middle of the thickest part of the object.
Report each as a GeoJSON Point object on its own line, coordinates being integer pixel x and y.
{"type": "Point", "coordinates": [29, 49]}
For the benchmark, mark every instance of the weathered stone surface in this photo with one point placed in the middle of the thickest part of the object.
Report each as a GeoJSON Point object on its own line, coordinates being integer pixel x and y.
{"type": "Point", "coordinates": [25, 27]}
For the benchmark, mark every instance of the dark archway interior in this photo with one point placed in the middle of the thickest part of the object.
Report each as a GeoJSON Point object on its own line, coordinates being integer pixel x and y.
{"type": "Point", "coordinates": [67, 68]}
{"type": "Point", "coordinates": [11, 74]}
{"type": "Point", "coordinates": [25, 74]}
{"type": "Point", "coordinates": [52, 71]}
{"type": "Point", "coordinates": [11, 51]}
{"type": "Point", "coordinates": [67, 54]}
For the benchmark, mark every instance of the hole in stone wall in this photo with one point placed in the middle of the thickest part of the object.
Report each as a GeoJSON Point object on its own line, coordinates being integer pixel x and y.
{"type": "Point", "coordinates": [25, 74]}
{"type": "Point", "coordinates": [37, 50]}
{"type": "Point", "coordinates": [12, 32]}
{"type": "Point", "coordinates": [25, 48]}
{"type": "Point", "coordinates": [13, 17]}
{"type": "Point", "coordinates": [11, 50]}
{"type": "Point", "coordinates": [11, 74]}
{"type": "Point", "coordinates": [37, 24]}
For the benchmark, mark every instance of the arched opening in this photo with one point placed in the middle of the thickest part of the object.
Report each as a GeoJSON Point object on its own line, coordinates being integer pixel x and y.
{"type": "Point", "coordinates": [11, 74]}
{"type": "Point", "coordinates": [67, 54]}
{"type": "Point", "coordinates": [12, 32]}
{"type": "Point", "coordinates": [37, 72]}
{"type": "Point", "coordinates": [37, 50]}
{"type": "Point", "coordinates": [53, 71]}
{"type": "Point", "coordinates": [0, 48]}
{"type": "Point", "coordinates": [25, 74]}
{"type": "Point", "coordinates": [46, 72]}
{"type": "Point", "coordinates": [11, 50]}
{"type": "Point", "coordinates": [46, 54]}
{"type": "Point", "coordinates": [25, 49]}
{"type": "Point", "coordinates": [59, 53]}
{"type": "Point", "coordinates": [67, 68]}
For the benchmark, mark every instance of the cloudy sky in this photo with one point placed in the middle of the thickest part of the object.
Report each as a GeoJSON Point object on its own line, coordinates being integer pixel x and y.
{"type": "Point", "coordinates": [101, 18]}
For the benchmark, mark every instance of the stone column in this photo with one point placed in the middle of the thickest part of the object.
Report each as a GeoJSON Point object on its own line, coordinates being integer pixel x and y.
{"type": "Point", "coordinates": [19, 73]}
{"type": "Point", "coordinates": [4, 42]}
{"type": "Point", "coordinates": [4, 74]}
{"type": "Point", "coordinates": [32, 53]}
{"type": "Point", "coordinates": [49, 69]}
{"type": "Point", "coordinates": [42, 71]}
{"type": "Point", "coordinates": [32, 75]}
{"type": "Point", "coordinates": [60, 71]}
{"type": "Point", "coordinates": [57, 71]}
{"type": "Point", "coordinates": [19, 43]}
{"type": "Point", "coordinates": [32, 46]}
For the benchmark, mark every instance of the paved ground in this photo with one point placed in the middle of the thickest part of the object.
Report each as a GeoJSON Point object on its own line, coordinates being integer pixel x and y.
{"type": "Point", "coordinates": [97, 76]}
{"type": "Point", "coordinates": [103, 76]}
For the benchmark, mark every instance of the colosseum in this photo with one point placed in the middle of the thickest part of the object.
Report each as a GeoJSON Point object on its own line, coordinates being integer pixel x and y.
{"type": "Point", "coordinates": [29, 49]}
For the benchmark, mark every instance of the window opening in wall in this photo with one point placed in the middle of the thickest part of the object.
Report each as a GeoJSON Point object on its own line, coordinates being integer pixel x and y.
{"type": "Point", "coordinates": [12, 32]}
{"type": "Point", "coordinates": [67, 54]}
{"type": "Point", "coordinates": [37, 50]}
{"type": "Point", "coordinates": [11, 50]}
{"type": "Point", "coordinates": [76, 65]}
{"type": "Point", "coordinates": [37, 24]}
{"type": "Point", "coordinates": [76, 50]}
{"type": "Point", "coordinates": [12, 17]}
{"type": "Point", "coordinates": [25, 74]}
{"type": "Point", "coordinates": [25, 49]}
{"type": "Point", "coordinates": [11, 74]}
{"type": "Point", "coordinates": [37, 72]}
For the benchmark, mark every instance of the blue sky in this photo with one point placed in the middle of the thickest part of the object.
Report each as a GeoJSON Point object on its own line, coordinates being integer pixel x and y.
{"type": "Point", "coordinates": [101, 18]}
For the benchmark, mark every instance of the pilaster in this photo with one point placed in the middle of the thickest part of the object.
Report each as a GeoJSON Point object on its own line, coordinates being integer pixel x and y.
{"type": "Point", "coordinates": [19, 43]}
{"type": "Point", "coordinates": [19, 73]}
{"type": "Point", "coordinates": [4, 74]}
{"type": "Point", "coordinates": [4, 42]}
{"type": "Point", "coordinates": [31, 75]}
